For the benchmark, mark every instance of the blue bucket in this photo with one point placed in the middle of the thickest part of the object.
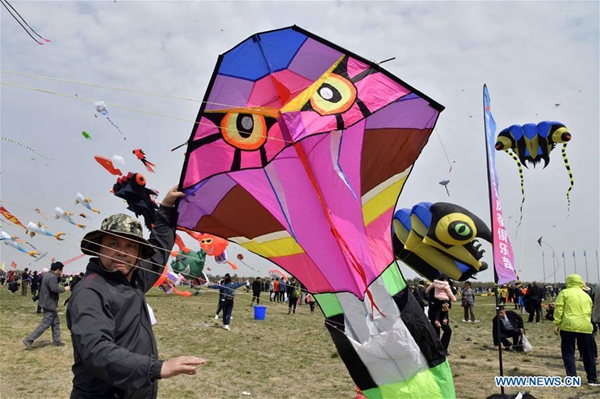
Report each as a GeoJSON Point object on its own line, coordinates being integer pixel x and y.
{"type": "Point", "coordinates": [260, 312]}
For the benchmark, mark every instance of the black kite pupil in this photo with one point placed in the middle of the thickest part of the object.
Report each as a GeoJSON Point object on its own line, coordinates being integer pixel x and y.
{"type": "Point", "coordinates": [245, 125]}
{"type": "Point", "coordinates": [329, 93]}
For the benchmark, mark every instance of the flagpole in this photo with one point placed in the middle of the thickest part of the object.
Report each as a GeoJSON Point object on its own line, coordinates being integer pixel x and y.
{"type": "Point", "coordinates": [564, 266]}
{"type": "Point", "coordinates": [598, 266]}
{"type": "Point", "coordinates": [587, 278]}
{"type": "Point", "coordinates": [575, 262]}
{"type": "Point", "coordinates": [543, 267]}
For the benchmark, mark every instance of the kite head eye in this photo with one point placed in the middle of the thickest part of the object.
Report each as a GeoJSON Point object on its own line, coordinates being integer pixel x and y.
{"type": "Point", "coordinates": [561, 135]}
{"type": "Point", "coordinates": [245, 131]}
{"type": "Point", "coordinates": [335, 96]}
{"type": "Point", "coordinates": [140, 180]}
{"type": "Point", "coordinates": [456, 229]}
{"type": "Point", "coordinates": [503, 143]}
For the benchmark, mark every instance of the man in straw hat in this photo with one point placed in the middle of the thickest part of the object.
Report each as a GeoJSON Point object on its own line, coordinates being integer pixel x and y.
{"type": "Point", "coordinates": [113, 343]}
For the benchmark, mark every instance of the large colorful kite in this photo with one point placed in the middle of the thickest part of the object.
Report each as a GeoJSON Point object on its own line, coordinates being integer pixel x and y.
{"type": "Point", "coordinates": [532, 144]}
{"type": "Point", "coordinates": [440, 238]}
{"type": "Point", "coordinates": [299, 153]}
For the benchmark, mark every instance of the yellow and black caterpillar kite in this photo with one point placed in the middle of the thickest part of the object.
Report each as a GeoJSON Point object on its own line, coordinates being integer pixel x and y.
{"type": "Point", "coordinates": [532, 144]}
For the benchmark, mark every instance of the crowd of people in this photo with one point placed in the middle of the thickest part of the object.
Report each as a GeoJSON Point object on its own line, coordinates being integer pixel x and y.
{"type": "Point", "coordinates": [115, 352]}
{"type": "Point", "coordinates": [575, 313]}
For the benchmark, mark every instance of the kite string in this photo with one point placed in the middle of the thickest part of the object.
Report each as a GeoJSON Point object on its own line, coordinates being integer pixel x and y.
{"type": "Point", "coordinates": [443, 148]}
{"type": "Point", "coordinates": [132, 109]}
{"type": "Point", "coordinates": [4, 2]}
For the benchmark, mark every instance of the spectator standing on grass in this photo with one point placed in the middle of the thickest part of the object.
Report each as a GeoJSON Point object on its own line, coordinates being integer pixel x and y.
{"type": "Point", "coordinates": [442, 295]}
{"type": "Point", "coordinates": [35, 283]}
{"type": "Point", "coordinates": [572, 318]}
{"type": "Point", "coordinates": [48, 301]}
{"type": "Point", "coordinates": [114, 349]}
{"type": "Point", "coordinates": [282, 289]}
{"type": "Point", "coordinates": [293, 294]}
{"type": "Point", "coordinates": [256, 289]}
{"type": "Point", "coordinates": [432, 313]}
{"type": "Point", "coordinates": [276, 290]}
{"type": "Point", "coordinates": [536, 296]}
{"type": "Point", "coordinates": [468, 303]}
{"type": "Point", "coordinates": [221, 301]}
{"type": "Point", "coordinates": [227, 289]}
{"type": "Point", "coordinates": [510, 326]}
{"type": "Point", "coordinates": [25, 281]}
{"type": "Point", "coordinates": [310, 301]}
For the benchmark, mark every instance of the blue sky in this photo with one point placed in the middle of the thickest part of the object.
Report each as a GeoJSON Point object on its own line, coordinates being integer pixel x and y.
{"type": "Point", "coordinates": [532, 55]}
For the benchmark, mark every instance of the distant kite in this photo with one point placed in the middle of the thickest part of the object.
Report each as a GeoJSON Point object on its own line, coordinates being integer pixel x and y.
{"type": "Point", "coordinates": [108, 164]}
{"type": "Point", "coordinates": [86, 135]}
{"type": "Point", "coordinates": [445, 184]}
{"type": "Point", "coordinates": [80, 199]}
{"type": "Point", "coordinates": [33, 228]}
{"type": "Point", "coordinates": [532, 144]}
{"type": "Point", "coordinates": [101, 109]}
{"type": "Point", "coordinates": [139, 153]}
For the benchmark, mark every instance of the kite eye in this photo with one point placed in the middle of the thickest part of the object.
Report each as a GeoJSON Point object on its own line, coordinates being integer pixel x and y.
{"type": "Point", "coordinates": [140, 180]}
{"type": "Point", "coordinates": [335, 96]}
{"type": "Point", "coordinates": [460, 230]}
{"type": "Point", "coordinates": [244, 131]}
{"type": "Point", "coordinates": [455, 229]}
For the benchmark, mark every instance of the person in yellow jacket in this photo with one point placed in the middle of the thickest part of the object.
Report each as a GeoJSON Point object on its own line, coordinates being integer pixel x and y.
{"type": "Point", "coordinates": [572, 318]}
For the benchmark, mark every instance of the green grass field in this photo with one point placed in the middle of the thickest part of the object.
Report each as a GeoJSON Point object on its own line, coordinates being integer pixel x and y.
{"type": "Point", "coordinates": [282, 356]}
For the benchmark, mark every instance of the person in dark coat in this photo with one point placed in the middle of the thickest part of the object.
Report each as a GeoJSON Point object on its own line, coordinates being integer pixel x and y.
{"type": "Point", "coordinates": [35, 283]}
{"type": "Point", "coordinates": [256, 289]}
{"type": "Point", "coordinates": [536, 296]}
{"type": "Point", "coordinates": [510, 326]}
{"type": "Point", "coordinates": [114, 350]}
{"type": "Point", "coordinates": [48, 301]}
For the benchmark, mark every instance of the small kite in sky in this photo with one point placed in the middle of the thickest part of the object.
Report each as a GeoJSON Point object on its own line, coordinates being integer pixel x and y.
{"type": "Point", "coordinates": [60, 214]}
{"type": "Point", "coordinates": [139, 153]}
{"type": "Point", "coordinates": [118, 159]}
{"type": "Point", "coordinates": [108, 164]}
{"type": "Point", "coordinates": [80, 199]}
{"type": "Point", "coordinates": [20, 20]}
{"type": "Point", "coordinates": [30, 149]}
{"type": "Point", "coordinates": [15, 242]}
{"type": "Point", "coordinates": [86, 135]}
{"type": "Point", "coordinates": [445, 184]}
{"type": "Point", "coordinates": [101, 109]}
{"type": "Point", "coordinates": [33, 228]}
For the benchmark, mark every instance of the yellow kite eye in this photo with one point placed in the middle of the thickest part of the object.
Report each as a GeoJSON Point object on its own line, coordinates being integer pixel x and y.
{"type": "Point", "coordinates": [455, 229]}
{"type": "Point", "coordinates": [244, 131]}
{"type": "Point", "coordinates": [335, 96]}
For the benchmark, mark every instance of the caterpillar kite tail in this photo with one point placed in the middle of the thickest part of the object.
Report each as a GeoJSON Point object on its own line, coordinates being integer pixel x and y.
{"type": "Point", "coordinates": [568, 167]}
{"type": "Point", "coordinates": [81, 226]}
{"type": "Point", "coordinates": [33, 253]}
{"type": "Point", "coordinates": [521, 176]}
{"type": "Point", "coordinates": [112, 123]}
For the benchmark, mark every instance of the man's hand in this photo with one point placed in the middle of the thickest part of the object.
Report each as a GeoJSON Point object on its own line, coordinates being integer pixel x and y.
{"type": "Point", "coordinates": [496, 348]}
{"type": "Point", "coordinates": [67, 288]}
{"type": "Point", "coordinates": [556, 329]}
{"type": "Point", "coordinates": [180, 365]}
{"type": "Point", "coordinates": [522, 330]}
{"type": "Point", "coordinates": [171, 197]}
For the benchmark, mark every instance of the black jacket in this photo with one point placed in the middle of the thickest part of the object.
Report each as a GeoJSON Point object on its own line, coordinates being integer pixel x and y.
{"type": "Point", "coordinates": [113, 344]}
{"type": "Point", "coordinates": [49, 291]}
{"type": "Point", "coordinates": [515, 320]}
